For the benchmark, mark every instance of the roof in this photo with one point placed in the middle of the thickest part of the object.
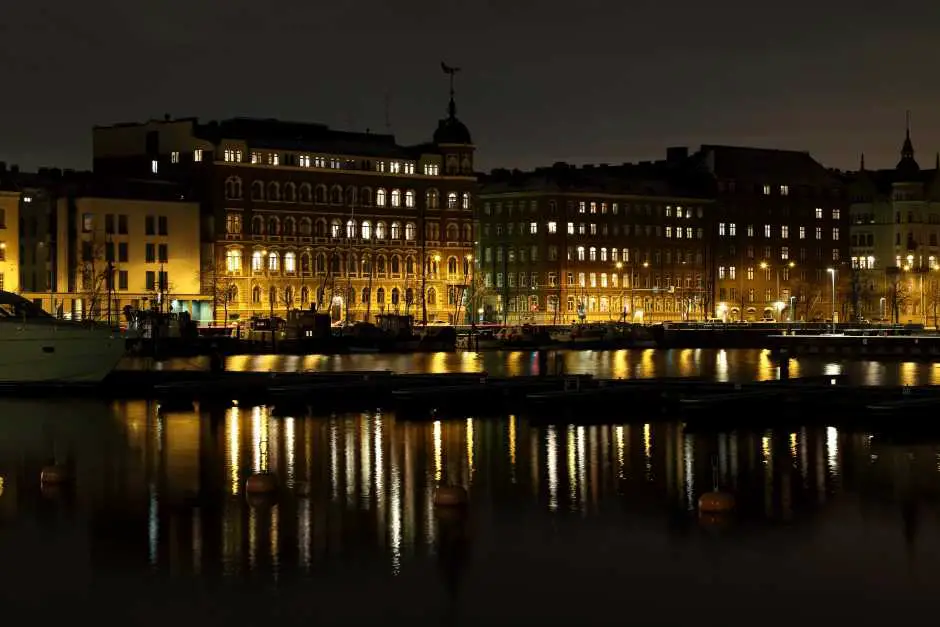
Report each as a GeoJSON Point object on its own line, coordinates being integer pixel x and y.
{"type": "Point", "coordinates": [646, 179]}
{"type": "Point", "coordinates": [89, 185]}
{"type": "Point", "coordinates": [761, 165]}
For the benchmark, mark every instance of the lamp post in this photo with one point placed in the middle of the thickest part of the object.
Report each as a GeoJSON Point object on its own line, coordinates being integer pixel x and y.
{"type": "Point", "coordinates": [832, 271]}
{"type": "Point", "coordinates": [623, 309]}
{"type": "Point", "coordinates": [764, 265]}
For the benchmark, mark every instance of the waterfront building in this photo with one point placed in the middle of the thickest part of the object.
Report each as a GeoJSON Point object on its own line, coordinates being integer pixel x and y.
{"type": "Point", "coordinates": [895, 253]}
{"type": "Point", "coordinates": [779, 233]}
{"type": "Point", "coordinates": [90, 246]}
{"type": "Point", "coordinates": [591, 243]}
{"type": "Point", "coordinates": [303, 216]}
{"type": "Point", "coordinates": [10, 199]}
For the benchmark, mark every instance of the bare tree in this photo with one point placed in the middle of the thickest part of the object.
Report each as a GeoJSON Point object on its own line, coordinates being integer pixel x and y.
{"type": "Point", "coordinates": [223, 289]}
{"type": "Point", "coordinates": [94, 277]}
{"type": "Point", "coordinates": [898, 295]}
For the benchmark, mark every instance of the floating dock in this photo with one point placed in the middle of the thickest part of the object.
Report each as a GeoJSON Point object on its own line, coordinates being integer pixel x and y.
{"type": "Point", "coordinates": [871, 346]}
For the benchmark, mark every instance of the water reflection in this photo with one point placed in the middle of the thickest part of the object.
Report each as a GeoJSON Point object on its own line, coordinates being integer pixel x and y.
{"type": "Point", "coordinates": [357, 488]}
{"type": "Point", "coordinates": [719, 364]}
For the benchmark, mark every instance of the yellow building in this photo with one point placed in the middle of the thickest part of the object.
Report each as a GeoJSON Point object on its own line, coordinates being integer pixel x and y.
{"type": "Point", "coordinates": [145, 237]}
{"type": "Point", "coordinates": [9, 249]}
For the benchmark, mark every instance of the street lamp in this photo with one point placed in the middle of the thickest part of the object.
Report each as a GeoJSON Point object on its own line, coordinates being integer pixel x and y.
{"type": "Point", "coordinates": [764, 265]}
{"type": "Point", "coordinates": [832, 271]}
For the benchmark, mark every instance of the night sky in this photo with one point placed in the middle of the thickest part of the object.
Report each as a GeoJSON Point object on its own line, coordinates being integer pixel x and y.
{"type": "Point", "coordinates": [613, 81]}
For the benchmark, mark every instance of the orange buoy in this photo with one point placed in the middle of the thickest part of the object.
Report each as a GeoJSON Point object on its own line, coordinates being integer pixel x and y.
{"type": "Point", "coordinates": [716, 503]}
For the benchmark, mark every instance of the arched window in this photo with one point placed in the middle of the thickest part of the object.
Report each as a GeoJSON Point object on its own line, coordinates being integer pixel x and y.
{"type": "Point", "coordinates": [409, 265]}
{"type": "Point", "coordinates": [233, 260]}
{"type": "Point", "coordinates": [290, 192]}
{"type": "Point", "coordinates": [336, 195]}
{"type": "Point", "coordinates": [410, 231]}
{"type": "Point", "coordinates": [451, 295]}
{"type": "Point", "coordinates": [321, 263]}
{"type": "Point", "coordinates": [257, 261]}
{"type": "Point", "coordinates": [468, 232]}
{"type": "Point", "coordinates": [306, 193]}
{"type": "Point", "coordinates": [380, 197]}
{"type": "Point", "coordinates": [289, 296]}
{"type": "Point", "coordinates": [272, 295]}
{"type": "Point", "coordinates": [319, 228]}
{"type": "Point", "coordinates": [290, 262]}
{"type": "Point", "coordinates": [290, 226]}
{"type": "Point", "coordinates": [365, 197]}
{"type": "Point", "coordinates": [351, 196]}
{"type": "Point", "coordinates": [257, 190]}
{"type": "Point", "coordinates": [396, 231]}
{"type": "Point", "coordinates": [451, 200]}
{"type": "Point", "coordinates": [366, 230]}
{"type": "Point", "coordinates": [233, 294]}
{"type": "Point", "coordinates": [274, 226]}
{"type": "Point", "coordinates": [350, 229]}
{"type": "Point", "coordinates": [380, 296]}
{"type": "Point", "coordinates": [304, 295]}
{"type": "Point", "coordinates": [274, 191]}
{"type": "Point", "coordinates": [395, 296]}
{"type": "Point", "coordinates": [396, 264]}
{"type": "Point", "coordinates": [274, 261]}
{"type": "Point", "coordinates": [305, 263]}
{"type": "Point", "coordinates": [320, 195]}
{"type": "Point", "coordinates": [305, 227]}
{"type": "Point", "coordinates": [380, 264]}
{"type": "Point", "coordinates": [257, 225]}
{"type": "Point", "coordinates": [335, 263]}
{"type": "Point", "coordinates": [380, 232]}
{"type": "Point", "coordinates": [465, 201]}
{"type": "Point", "coordinates": [432, 199]}
{"type": "Point", "coordinates": [336, 228]}
{"type": "Point", "coordinates": [233, 187]}
{"type": "Point", "coordinates": [366, 297]}
{"type": "Point", "coordinates": [366, 265]}
{"type": "Point", "coordinates": [256, 294]}
{"type": "Point", "coordinates": [453, 232]}
{"type": "Point", "coordinates": [452, 265]}
{"type": "Point", "coordinates": [410, 198]}
{"type": "Point", "coordinates": [396, 198]}
{"type": "Point", "coordinates": [432, 296]}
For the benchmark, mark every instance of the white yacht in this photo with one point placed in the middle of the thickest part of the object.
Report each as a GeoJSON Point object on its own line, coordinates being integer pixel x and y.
{"type": "Point", "coordinates": [37, 347]}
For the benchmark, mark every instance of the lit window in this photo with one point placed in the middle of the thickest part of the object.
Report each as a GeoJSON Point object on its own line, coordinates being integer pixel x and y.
{"type": "Point", "coordinates": [571, 228]}
{"type": "Point", "coordinates": [819, 213]}
{"type": "Point", "coordinates": [395, 167]}
{"type": "Point", "coordinates": [154, 166]}
{"type": "Point", "coordinates": [802, 232]}
{"type": "Point", "coordinates": [304, 161]}
{"type": "Point", "coordinates": [784, 190]}
{"type": "Point", "coordinates": [580, 253]}
{"type": "Point", "coordinates": [722, 229]}
{"type": "Point", "coordinates": [233, 260]}
{"type": "Point", "coordinates": [432, 169]}
{"type": "Point", "coordinates": [256, 261]}
{"type": "Point", "coordinates": [290, 262]}
{"type": "Point", "coordinates": [582, 206]}
{"type": "Point", "coordinates": [766, 230]}
{"type": "Point", "coordinates": [273, 262]}
{"type": "Point", "coordinates": [197, 154]}
{"type": "Point", "coordinates": [409, 168]}
{"type": "Point", "coordinates": [784, 231]}
{"type": "Point", "coordinates": [174, 157]}
{"type": "Point", "coordinates": [835, 233]}
{"type": "Point", "coordinates": [836, 214]}
{"type": "Point", "coordinates": [732, 229]}
{"type": "Point", "coordinates": [766, 190]}
{"type": "Point", "coordinates": [533, 228]}
{"type": "Point", "coordinates": [552, 227]}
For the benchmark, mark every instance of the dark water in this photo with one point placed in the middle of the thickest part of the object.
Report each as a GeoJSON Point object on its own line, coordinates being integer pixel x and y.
{"type": "Point", "coordinates": [723, 365]}
{"type": "Point", "coordinates": [566, 525]}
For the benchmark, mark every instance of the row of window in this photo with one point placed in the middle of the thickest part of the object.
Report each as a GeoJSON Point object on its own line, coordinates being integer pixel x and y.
{"type": "Point", "coordinates": [234, 155]}
{"type": "Point", "coordinates": [595, 280]}
{"type": "Point", "coordinates": [730, 229]}
{"type": "Point", "coordinates": [366, 230]}
{"type": "Point", "coordinates": [153, 253]}
{"type": "Point", "coordinates": [593, 229]}
{"type": "Point", "coordinates": [154, 281]}
{"type": "Point", "coordinates": [341, 263]}
{"type": "Point", "coordinates": [153, 225]}
{"type": "Point", "coordinates": [287, 296]}
{"type": "Point", "coordinates": [730, 272]}
{"type": "Point", "coordinates": [750, 295]}
{"type": "Point", "coordinates": [784, 253]}
{"type": "Point", "coordinates": [336, 195]}
{"type": "Point", "coordinates": [593, 207]}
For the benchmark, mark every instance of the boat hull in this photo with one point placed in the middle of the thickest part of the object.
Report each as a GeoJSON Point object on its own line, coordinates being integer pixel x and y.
{"type": "Point", "coordinates": [58, 352]}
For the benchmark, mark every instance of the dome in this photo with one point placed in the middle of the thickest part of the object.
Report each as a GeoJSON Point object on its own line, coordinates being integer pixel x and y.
{"type": "Point", "coordinates": [452, 131]}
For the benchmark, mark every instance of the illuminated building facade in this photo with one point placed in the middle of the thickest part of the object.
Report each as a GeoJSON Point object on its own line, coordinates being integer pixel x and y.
{"type": "Point", "coordinates": [302, 216]}
{"type": "Point", "coordinates": [895, 249]}
{"type": "Point", "coordinates": [780, 224]}
{"type": "Point", "coordinates": [10, 199]}
{"type": "Point", "coordinates": [91, 246]}
{"type": "Point", "coordinates": [593, 243]}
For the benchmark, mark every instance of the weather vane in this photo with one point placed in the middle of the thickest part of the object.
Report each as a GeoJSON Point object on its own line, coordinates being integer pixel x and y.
{"type": "Point", "coordinates": [450, 71]}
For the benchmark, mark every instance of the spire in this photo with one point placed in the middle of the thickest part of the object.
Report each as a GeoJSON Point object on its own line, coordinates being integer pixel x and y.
{"type": "Point", "coordinates": [907, 150]}
{"type": "Point", "coordinates": [451, 105]}
{"type": "Point", "coordinates": [907, 167]}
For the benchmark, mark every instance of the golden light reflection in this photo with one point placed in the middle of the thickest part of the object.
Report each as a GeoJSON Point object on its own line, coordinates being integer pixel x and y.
{"type": "Point", "coordinates": [252, 537]}
{"type": "Point", "coordinates": [618, 436]}
{"type": "Point", "coordinates": [232, 428]}
{"type": "Point", "coordinates": [378, 454]}
{"type": "Point", "coordinates": [934, 375]}
{"type": "Point", "coordinates": [648, 449]}
{"type": "Point", "coordinates": [620, 366]}
{"type": "Point", "coordinates": [349, 448]}
{"type": "Point", "coordinates": [721, 366]}
{"type": "Point", "coordinates": [795, 370]}
{"type": "Point", "coordinates": [303, 534]}
{"type": "Point", "coordinates": [908, 373]}
{"type": "Point", "coordinates": [256, 439]}
{"type": "Point", "coordinates": [275, 538]}
{"type": "Point", "coordinates": [365, 457]}
{"type": "Point", "coordinates": [290, 441]}
{"type": "Point", "coordinates": [514, 367]}
{"type": "Point", "coordinates": [334, 459]}
{"type": "Point", "coordinates": [470, 446]}
{"type": "Point", "coordinates": [394, 523]}
{"type": "Point", "coordinates": [582, 468]}
{"type": "Point", "coordinates": [832, 450]}
{"type": "Point", "coordinates": [765, 450]}
{"type": "Point", "coordinates": [766, 369]}
{"type": "Point", "coordinates": [571, 450]}
{"type": "Point", "coordinates": [551, 463]}
{"type": "Point", "coordinates": [512, 448]}
{"type": "Point", "coordinates": [439, 363]}
{"type": "Point", "coordinates": [438, 451]}
{"type": "Point", "coordinates": [647, 365]}
{"type": "Point", "coordinates": [2, 486]}
{"type": "Point", "coordinates": [793, 448]}
{"type": "Point", "coordinates": [688, 457]}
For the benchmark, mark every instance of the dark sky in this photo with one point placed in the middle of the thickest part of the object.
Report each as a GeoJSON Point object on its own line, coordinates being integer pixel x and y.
{"type": "Point", "coordinates": [591, 81]}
